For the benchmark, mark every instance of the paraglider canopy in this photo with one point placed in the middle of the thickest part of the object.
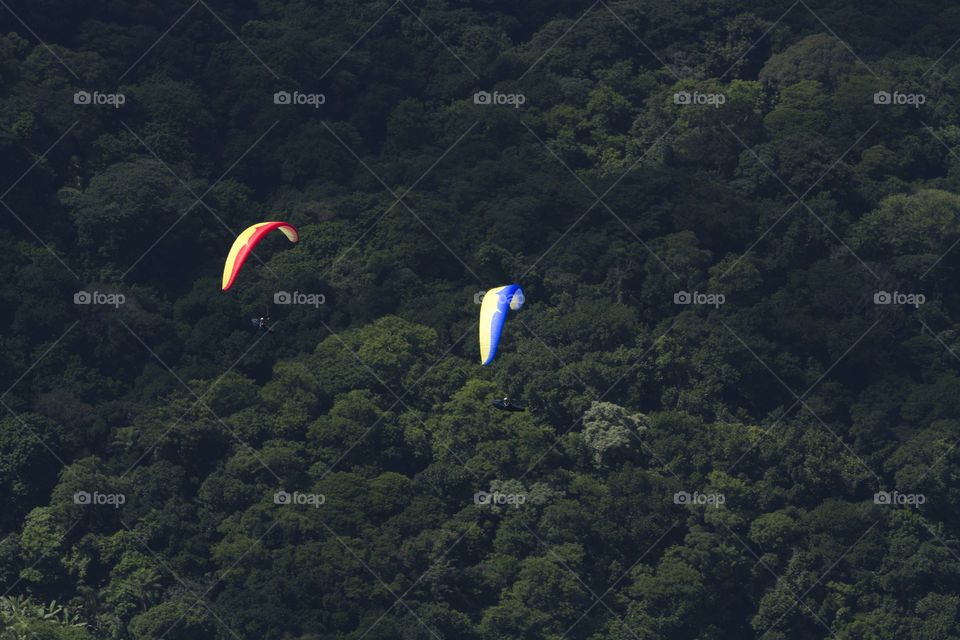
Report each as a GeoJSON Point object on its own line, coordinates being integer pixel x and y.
{"type": "Point", "coordinates": [493, 313]}
{"type": "Point", "coordinates": [245, 243]}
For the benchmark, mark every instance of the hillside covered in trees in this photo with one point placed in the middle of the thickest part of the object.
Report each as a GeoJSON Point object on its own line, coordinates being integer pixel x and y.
{"type": "Point", "coordinates": [735, 225]}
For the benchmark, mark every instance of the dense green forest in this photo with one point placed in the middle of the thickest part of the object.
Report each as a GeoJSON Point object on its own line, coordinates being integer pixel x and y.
{"type": "Point", "coordinates": [735, 224]}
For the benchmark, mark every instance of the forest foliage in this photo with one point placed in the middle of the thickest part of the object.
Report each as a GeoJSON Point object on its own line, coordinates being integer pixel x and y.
{"type": "Point", "coordinates": [735, 224]}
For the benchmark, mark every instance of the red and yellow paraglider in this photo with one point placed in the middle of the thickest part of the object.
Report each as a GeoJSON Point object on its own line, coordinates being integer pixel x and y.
{"type": "Point", "coordinates": [245, 243]}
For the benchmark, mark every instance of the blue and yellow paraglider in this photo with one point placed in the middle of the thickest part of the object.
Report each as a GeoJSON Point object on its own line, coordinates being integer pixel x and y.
{"type": "Point", "coordinates": [493, 313]}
